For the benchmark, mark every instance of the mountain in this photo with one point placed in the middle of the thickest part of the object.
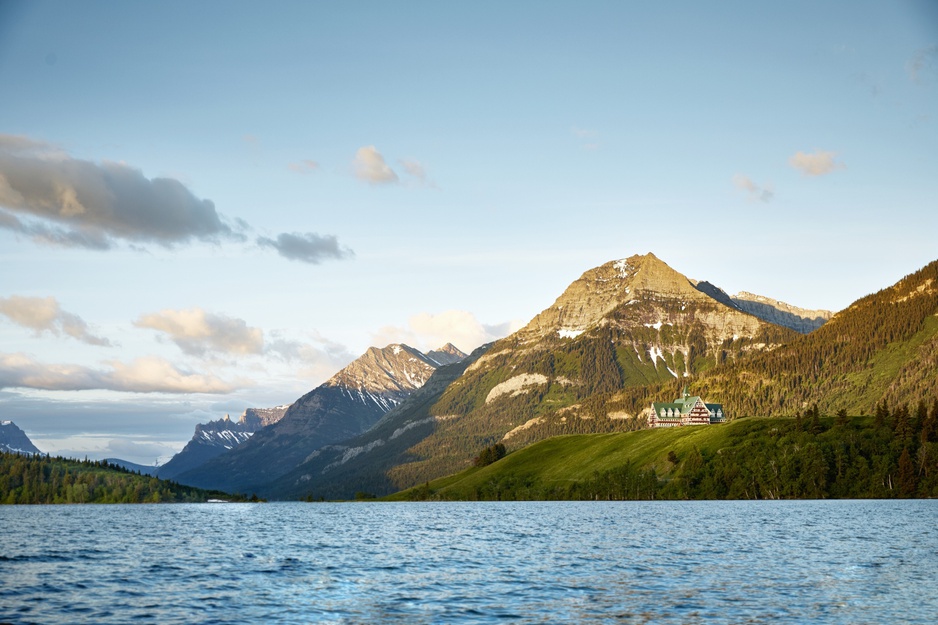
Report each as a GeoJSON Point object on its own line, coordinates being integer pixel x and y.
{"type": "Point", "coordinates": [14, 440]}
{"type": "Point", "coordinates": [216, 437]}
{"type": "Point", "coordinates": [883, 347]}
{"type": "Point", "coordinates": [585, 364]}
{"type": "Point", "coordinates": [780, 313]}
{"type": "Point", "coordinates": [361, 463]}
{"type": "Point", "coordinates": [346, 405]}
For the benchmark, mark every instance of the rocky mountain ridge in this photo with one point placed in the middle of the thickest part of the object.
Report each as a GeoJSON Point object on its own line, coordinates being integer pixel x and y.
{"type": "Point", "coordinates": [780, 313]}
{"type": "Point", "coordinates": [347, 404]}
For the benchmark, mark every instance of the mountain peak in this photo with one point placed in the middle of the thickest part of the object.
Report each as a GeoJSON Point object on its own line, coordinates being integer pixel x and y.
{"type": "Point", "coordinates": [391, 369]}
{"type": "Point", "coordinates": [446, 355]}
{"type": "Point", "coordinates": [599, 291]}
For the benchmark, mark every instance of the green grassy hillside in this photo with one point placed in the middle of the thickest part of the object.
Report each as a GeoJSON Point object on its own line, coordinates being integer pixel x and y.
{"type": "Point", "coordinates": [752, 458]}
{"type": "Point", "coordinates": [39, 479]}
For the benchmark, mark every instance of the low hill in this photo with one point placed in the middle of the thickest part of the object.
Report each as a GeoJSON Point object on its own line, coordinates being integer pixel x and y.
{"type": "Point", "coordinates": [133, 467]}
{"type": "Point", "coordinates": [750, 458]}
{"type": "Point", "coordinates": [38, 479]}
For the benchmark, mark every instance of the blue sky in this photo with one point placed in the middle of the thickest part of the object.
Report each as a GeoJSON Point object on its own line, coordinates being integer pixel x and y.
{"type": "Point", "coordinates": [208, 206]}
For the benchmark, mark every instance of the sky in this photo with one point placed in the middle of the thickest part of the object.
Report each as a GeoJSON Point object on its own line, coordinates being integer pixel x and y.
{"type": "Point", "coordinates": [208, 206]}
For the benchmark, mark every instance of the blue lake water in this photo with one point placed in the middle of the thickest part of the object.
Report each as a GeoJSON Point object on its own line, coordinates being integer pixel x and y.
{"type": "Point", "coordinates": [525, 562]}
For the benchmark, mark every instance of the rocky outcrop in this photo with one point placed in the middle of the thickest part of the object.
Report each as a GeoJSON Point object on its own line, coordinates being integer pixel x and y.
{"type": "Point", "coordinates": [262, 417]}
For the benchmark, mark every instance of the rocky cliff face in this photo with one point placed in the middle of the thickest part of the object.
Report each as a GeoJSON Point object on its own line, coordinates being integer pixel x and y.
{"type": "Point", "coordinates": [798, 319]}
{"type": "Point", "coordinates": [344, 406]}
{"type": "Point", "coordinates": [258, 418]}
{"type": "Point", "coordinates": [14, 440]}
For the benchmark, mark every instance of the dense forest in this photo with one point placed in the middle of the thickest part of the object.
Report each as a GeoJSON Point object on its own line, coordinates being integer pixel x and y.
{"type": "Point", "coordinates": [893, 454]}
{"type": "Point", "coordinates": [41, 479]}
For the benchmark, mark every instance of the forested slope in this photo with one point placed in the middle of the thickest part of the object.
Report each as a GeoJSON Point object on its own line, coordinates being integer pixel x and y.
{"type": "Point", "coordinates": [811, 457]}
{"type": "Point", "coordinates": [38, 479]}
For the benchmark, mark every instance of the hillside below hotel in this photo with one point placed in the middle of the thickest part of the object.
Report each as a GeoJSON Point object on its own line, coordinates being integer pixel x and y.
{"type": "Point", "coordinates": [685, 410]}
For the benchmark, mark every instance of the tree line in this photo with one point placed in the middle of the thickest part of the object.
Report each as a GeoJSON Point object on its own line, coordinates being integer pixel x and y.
{"type": "Point", "coordinates": [43, 479]}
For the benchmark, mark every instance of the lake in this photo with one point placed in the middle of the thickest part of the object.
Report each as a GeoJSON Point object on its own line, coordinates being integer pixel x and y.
{"type": "Point", "coordinates": [523, 562]}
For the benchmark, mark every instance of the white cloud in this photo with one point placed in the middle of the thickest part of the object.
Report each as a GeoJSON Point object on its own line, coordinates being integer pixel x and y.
{"type": "Point", "coordinates": [817, 164]}
{"type": "Point", "coordinates": [307, 247]}
{"type": "Point", "coordinates": [156, 375]}
{"type": "Point", "coordinates": [316, 361]}
{"type": "Point", "coordinates": [67, 201]}
{"type": "Point", "coordinates": [143, 375]}
{"type": "Point", "coordinates": [43, 314]}
{"type": "Point", "coordinates": [755, 192]}
{"type": "Point", "coordinates": [370, 166]}
{"type": "Point", "coordinates": [426, 331]}
{"type": "Point", "coordinates": [197, 332]}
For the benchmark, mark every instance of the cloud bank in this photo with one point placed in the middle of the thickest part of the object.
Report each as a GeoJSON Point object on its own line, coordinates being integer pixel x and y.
{"type": "Point", "coordinates": [819, 163]}
{"type": "Point", "coordinates": [56, 199]}
{"type": "Point", "coordinates": [87, 204]}
{"type": "Point", "coordinates": [43, 314]}
{"type": "Point", "coordinates": [197, 332]}
{"type": "Point", "coordinates": [143, 375]}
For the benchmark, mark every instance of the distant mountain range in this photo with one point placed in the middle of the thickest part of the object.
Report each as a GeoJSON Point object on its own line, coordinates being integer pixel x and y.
{"type": "Point", "coordinates": [623, 335]}
{"type": "Point", "coordinates": [14, 440]}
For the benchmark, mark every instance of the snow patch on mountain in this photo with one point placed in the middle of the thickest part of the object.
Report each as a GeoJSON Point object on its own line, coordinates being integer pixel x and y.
{"type": "Point", "coordinates": [624, 268]}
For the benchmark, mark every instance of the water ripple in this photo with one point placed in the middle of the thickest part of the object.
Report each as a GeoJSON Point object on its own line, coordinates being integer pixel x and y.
{"type": "Point", "coordinates": [661, 562]}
